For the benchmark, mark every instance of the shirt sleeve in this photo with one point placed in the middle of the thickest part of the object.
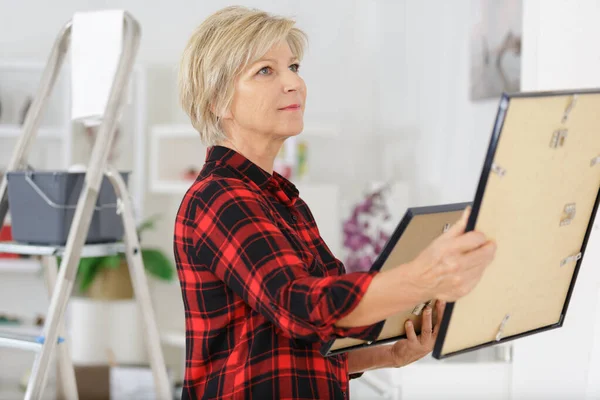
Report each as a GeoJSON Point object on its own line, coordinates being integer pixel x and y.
{"type": "Point", "coordinates": [246, 249]}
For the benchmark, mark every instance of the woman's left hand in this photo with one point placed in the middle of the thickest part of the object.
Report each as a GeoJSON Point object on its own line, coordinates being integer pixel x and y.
{"type": "Point", "coordinates": [413, 348]}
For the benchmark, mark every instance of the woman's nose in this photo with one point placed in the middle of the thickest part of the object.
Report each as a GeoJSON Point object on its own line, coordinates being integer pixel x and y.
{"type": "Point", "coordinates": [291, 82]}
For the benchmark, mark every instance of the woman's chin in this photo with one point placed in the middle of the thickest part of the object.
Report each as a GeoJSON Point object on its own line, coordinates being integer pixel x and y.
{"type": "Point", "coordinates": [291, 131]}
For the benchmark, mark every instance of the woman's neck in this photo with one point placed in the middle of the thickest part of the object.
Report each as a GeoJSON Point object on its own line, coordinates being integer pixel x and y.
{"type": "Point", "coordinates": [260, 153]}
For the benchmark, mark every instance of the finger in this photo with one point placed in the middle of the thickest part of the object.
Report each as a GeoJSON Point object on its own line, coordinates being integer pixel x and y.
{"type": "Point", "coordinates": [459, 227]}
{"type": "Point", "coordinates": [411, 335]}
{"type": "Point", "coordinates": [427, 325]}
{"type": "Point", "coordinates": [470, 241]}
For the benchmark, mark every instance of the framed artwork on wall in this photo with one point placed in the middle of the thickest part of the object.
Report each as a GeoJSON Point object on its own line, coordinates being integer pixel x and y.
{"type": "Point", "coordinates": [496, 36]}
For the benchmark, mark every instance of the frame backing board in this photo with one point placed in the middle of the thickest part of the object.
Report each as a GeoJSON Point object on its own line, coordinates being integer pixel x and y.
{"type": "Point", "coordinates": [537, 198]}
{"type": "Point", "coordinates": [417, 229]}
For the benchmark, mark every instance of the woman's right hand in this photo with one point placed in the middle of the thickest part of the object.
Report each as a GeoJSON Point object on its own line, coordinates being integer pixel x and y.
{"type": "Point", "coordinates": [452, 265]}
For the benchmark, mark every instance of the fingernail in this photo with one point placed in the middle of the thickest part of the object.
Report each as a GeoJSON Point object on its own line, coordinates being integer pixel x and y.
{"type": "Point", "coordinates": [427, 310]}
{"type": "Point", "coordinates": [409, 323]}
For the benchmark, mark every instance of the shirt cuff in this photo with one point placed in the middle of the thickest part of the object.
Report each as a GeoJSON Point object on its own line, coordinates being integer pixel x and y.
{"type": "Point", "coordinates": [368, 333]}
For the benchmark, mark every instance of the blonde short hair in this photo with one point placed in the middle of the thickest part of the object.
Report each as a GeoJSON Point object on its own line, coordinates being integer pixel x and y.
{"type": "Point", "coordinates": [218, 50]}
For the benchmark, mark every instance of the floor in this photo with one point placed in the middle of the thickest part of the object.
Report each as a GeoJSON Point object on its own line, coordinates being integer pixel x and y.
{"type": "Point", "coordinates": [14, 364]}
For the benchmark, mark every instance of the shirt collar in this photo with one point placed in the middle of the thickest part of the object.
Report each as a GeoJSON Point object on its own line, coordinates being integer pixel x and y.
{"type": "Point", "coordinates": [285, 190]}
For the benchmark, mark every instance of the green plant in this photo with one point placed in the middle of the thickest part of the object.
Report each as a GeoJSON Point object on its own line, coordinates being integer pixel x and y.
{"type": "Point", "coordinates": [156, 262]}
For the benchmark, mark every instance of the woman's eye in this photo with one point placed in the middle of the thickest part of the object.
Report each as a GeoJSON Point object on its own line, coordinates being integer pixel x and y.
{"type": "Point", "coordinates": [295, 67]}
{"type": "Point", "coordinates": [264, 71]}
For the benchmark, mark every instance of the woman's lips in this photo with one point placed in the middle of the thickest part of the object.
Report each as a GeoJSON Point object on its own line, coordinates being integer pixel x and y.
{"type": "Point", "coordinates": [291, 107]}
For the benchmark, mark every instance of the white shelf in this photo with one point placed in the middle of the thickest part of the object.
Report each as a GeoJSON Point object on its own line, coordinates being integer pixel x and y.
{"type": "Point", "coordinates": [23, 339]}
{"type": "Point", "coordinates": [19, 265]}
{"type": "Point", "coordinates": [184, 140]}
{"type": "Point", "coordinates": [22, 342]}
{"type": "Point", "coordinates": [88, 250]}
{"type": "Point", "coordinates": [173, 338]}
{"type": "Point", "coordinates": [14, 131]}
{"type": "Point", "coordinates": [21, 329]}
{"type": "Point", "coordinates": [170, 187]}
{"type": "Point", "coordinates": [174, 130]}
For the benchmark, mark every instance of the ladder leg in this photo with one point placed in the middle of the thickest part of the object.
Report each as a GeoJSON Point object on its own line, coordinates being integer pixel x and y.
{"type": "Point", "coordinates": [3, 199]}
{"type": "Point", "coordinates": [140, 287]}
{"type": "Point", "coordinates": [62, 290]}
{"type": "Point", "coordinates": [66, 372]}
{"type": "Point", "coordinates": [19, 156]}
{"type": "Point", "coordinates": [85, 206]}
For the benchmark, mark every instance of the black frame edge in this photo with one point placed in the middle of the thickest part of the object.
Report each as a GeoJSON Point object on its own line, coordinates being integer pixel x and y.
{"type": "Point", "coordinates": [410, 213]}
{"type": "Point", "coordinates": [503, 106]}
{"type": "Point", "coordinates": [437, 352]}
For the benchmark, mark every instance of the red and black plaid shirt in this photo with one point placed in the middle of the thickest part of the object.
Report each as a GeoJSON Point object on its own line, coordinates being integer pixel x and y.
{"type": "Point", "coordinates": [261, 289]}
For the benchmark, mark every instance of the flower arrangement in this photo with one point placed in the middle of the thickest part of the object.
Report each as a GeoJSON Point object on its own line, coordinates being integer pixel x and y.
{"type": "Point", "coordinates": [365, 233]}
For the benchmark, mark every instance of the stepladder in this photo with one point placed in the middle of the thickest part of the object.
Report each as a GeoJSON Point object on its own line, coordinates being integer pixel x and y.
{"type": "Point", "coordinates": [49, 344]}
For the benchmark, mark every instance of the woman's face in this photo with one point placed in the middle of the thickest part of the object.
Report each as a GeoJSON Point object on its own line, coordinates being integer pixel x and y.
{"type": "Point", "coordinates": [269, 97]}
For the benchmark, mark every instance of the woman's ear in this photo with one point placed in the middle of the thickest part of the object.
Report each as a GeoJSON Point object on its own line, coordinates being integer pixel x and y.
{"type": "Point", "coordinates": [227, 114]}
{"type": "Point", "coordinates": [224, 114]}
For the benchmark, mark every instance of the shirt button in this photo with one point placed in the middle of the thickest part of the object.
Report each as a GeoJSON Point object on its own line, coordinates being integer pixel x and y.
{"type": "Point", "coordinates": [294, 218]}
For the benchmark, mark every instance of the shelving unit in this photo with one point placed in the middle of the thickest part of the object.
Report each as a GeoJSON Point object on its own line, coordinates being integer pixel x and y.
{"type": "Point", "coordinates": [177, 147]}
{"type": "Point", "coordinates": [63, 143]}
{"type": "Point", "coordinates": [20, 265]}
{"type": "Point", "coordinates": [173, 148]}
{"type": "Point", "coordinates": [19, 82]}
{"type": "Point", "coordinates": [12, 131]}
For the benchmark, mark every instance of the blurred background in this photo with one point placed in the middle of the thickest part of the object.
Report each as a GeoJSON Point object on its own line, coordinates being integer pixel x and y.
{"type": "Point", "coordinates": [402, 95]}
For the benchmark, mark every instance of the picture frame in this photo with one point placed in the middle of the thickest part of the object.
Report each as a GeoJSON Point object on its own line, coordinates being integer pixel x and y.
{"type": "Point", "coordinates": [537, 198]}
{"type": "Point", "coordinates": [416, 230]}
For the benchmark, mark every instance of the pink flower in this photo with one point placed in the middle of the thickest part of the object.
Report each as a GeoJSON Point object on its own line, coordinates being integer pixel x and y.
{"type": "Point", "coordinates": [363, 238]}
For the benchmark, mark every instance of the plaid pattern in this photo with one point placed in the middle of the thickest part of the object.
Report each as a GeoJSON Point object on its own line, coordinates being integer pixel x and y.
{"type": "Point", "coordinates": [261, 289]}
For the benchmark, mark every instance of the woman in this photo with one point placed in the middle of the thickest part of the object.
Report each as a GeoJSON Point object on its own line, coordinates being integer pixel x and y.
{"type": "Point", "coordinates": [262, 291]}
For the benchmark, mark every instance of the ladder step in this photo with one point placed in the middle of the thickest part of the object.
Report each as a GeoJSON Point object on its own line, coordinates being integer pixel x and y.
{"type": "Point", "coordinates": [23, 341]}
{"type": "Point", "coordinates": [89, 250]}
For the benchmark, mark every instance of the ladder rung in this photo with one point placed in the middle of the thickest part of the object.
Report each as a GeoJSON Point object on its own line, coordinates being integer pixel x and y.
{"type": "Point", "coordinates": [23, 341]}
{"type": "Point", "coordinates": [89, 250]}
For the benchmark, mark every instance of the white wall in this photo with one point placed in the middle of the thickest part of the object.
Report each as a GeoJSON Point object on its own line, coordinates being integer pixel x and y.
{"type": "Point", "coordinates": [563, 363]}
{"type": "Point", "coordinates": [339, 55]}
{"type": "Point", "coordinates": [398, 70]}
{"type": "Point", "coordinates": [423, 97]}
